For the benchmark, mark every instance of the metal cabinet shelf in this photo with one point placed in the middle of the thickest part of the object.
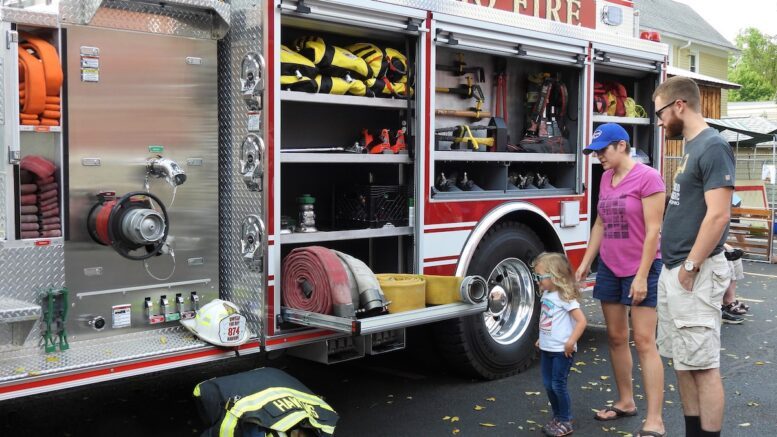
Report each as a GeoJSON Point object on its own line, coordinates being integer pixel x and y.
{"type": "Point", "coordinates": [355, 234]}
{"type": "Point", "coordinates": [331, 99]}
{"type": "Point", "coordinates": [344, 158]}
{"type": "Point", "coordinates": [620, 120]}
{"type": "Point", "coordinates": [503, 156]}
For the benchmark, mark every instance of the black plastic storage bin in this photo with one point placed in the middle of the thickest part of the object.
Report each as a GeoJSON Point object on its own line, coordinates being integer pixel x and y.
{"type": "Point", "coordinates": [370, 206]}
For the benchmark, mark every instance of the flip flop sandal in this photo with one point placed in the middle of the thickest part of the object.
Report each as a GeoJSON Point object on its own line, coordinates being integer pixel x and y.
{"type": "Point", "coordinates": [643, 433]}
{"type": "Point", "coordinates": [618, 414]}
{"type": "Point", "coordinates": [733, 308]}
{"type": "Point", "coordinates": [742, 305]}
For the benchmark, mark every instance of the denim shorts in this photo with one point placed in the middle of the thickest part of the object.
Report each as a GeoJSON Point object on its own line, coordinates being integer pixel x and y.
{"type": "Point", "coordinates": [611, 288]}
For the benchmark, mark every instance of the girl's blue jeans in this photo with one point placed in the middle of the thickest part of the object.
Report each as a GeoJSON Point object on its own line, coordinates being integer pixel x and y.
{"type": "Point", "coordinates": [555, 371]}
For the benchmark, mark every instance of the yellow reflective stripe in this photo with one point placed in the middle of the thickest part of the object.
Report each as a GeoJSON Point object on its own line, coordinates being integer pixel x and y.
{"type": "Point", "coordinates": [197, 390]}
{"type": "Point", "coordinates": [289, 421]}
{"type": "Point", "coordinates": [259, 400]}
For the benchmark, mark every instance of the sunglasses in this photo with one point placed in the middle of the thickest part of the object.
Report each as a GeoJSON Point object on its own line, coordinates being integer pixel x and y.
{"type": "Point", "coordinates": [538, 278]}
{"type": "Point", "coordinates": [660, 111]}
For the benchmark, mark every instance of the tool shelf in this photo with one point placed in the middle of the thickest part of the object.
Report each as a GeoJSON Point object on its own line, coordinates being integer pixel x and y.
{"type": "Point", "coordinates": [503, 156]}
{"type": "Point", "coordinates": [355, 234]}
{"type": "Point", "coordinates": [331, 99]}
{"type": "Point", "coordinates": [344, 158]}
{"type": "Point", "coordinates": [598, 118]}
{"type": "Point", "coordinates": [41, 129]}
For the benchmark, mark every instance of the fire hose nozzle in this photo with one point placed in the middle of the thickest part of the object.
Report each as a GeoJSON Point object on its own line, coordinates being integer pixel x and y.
{"type": "Point", "coordinates": [168, 169]}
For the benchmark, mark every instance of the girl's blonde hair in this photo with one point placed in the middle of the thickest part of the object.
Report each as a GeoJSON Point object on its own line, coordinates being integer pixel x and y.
{"type": "Point", "coordinates": [558, 266]}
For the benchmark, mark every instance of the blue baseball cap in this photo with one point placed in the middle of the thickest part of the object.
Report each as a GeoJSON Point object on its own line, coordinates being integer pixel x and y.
{"type": "Point", "coordinates": [605, 135]}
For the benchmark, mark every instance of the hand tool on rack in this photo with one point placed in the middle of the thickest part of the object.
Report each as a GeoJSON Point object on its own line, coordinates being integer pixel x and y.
{"type": "Point", "coordinates": [465, 91]}
{"type": "Point", "coordinates": [460, 68]}
{"type": "Point", "coordinates": [496, 138]}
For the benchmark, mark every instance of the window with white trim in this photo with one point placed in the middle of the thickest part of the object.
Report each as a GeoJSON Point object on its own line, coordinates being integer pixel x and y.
{"type": "Point", "coordinates": [693, 61]}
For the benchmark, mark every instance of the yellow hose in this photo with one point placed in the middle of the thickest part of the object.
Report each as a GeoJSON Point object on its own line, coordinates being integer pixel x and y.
{"type": "Point", "coordinates": [405, 292]}
{"type": "Point", "coordinates": [442, 289]}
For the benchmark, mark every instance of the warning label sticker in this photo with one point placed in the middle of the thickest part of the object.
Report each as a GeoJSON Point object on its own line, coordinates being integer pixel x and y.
{"type": "Point", "coordinates": [122, 316]}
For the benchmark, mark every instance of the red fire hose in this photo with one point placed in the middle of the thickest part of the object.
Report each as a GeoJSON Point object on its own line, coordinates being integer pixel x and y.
{"type": "Point", "coordinates": [314, 280]}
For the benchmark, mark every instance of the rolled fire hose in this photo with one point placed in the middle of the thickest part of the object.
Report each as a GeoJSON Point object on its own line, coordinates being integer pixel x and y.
{"type": "Point", "coordinates": [34, 79]}
{"type": "Point", "coordinates": [442, 289]}
{"type": "Point", "coordinates": [404, 292]}
{"type": "Point", "coordinates": [315, 280]}
{"type": "Point", "coordinates": [368, 293]}
{"type": "Point", "coordinates": [52, 69]}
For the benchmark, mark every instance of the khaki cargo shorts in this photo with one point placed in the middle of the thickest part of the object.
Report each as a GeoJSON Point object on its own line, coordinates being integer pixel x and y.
{"type": "Point", "coordinates": [689, 321]}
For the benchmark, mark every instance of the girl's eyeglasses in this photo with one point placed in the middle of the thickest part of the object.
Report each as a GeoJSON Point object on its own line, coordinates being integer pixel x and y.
{"type": "Point", "coordinates": [539, 278]}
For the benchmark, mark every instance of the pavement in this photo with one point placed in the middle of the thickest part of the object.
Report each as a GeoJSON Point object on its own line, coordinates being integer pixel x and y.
{"type": "Point", "coordinates": [411, 393]}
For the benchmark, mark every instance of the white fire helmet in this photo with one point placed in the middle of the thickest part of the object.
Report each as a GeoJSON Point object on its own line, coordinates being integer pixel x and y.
{"type": "Point", "coordinates": [220, 323]}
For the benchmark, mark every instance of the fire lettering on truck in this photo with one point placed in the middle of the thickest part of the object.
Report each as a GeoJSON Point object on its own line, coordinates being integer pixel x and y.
{"type": "Point", "coordinates": [575, 12]}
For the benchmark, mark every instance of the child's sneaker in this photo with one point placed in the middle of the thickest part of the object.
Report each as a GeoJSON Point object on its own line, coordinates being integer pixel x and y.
{"type": "Point", "coordinates": [559, 428]}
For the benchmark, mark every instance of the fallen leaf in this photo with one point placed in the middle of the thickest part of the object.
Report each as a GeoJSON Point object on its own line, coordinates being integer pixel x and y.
{"type": "Point", "coordinates": [575, 369]}
{"type": "Point", "coordinates": [446, 418]}
{"type": "Point", "coordinates": [579, 363]}
{"type": "Point", "coordinates": [532, 393]}
{"type": "Point", "coordinates": [531, 421]}
{"type": "Point", "coordinates": [544, 411]}
{"type": "Point", "coordinates": [409, 397]}
{"type": "Point", "coordinates": [455, 431]}
{"type": "Point", "coordinates": [604, 378]}
{"type": "Point", "coordinates": [752, 404]}
{"type": "Point", "coordinates": [520, 427]}
{"type": "Point", "coordinates": [492, 399]}
{"type": "Point", "coordinates": [669, 402]}
{"type": "Point", "coordinates": [744, 425]}
{"type": "Point", "coordinates": [594, 410]}
{"type": "Point", "coordinates": [487, 425]}
{"type": "Point", "coordinates": [478, 408]}
{"type": "Point", "coordinates": [454, 419]}
{"type": "Point", "coordinates": [759, 363]}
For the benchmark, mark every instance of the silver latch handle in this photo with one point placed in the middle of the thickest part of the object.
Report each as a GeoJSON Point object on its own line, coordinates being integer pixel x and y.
{"type": "Point", "coordinates": [252, 80]}
{"type": "Point", "coordinates": [251, 236]}
{"type": "Point", "coordinates": [251, 152]}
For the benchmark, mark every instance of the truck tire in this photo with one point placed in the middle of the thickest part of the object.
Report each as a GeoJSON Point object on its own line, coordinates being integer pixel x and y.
{"type": "Point", "coordinates": [488, 347]}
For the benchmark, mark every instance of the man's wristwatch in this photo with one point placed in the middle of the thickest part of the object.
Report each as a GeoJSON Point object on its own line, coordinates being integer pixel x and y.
{"type": "Point", "coordinates": [690, 266]}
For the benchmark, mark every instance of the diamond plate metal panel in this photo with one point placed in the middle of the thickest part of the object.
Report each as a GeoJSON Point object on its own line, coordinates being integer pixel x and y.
{"type": "Point", "coordinates": [26, 271]}
{"type": "Point", "coordinates": [30, 362]}
{"type": "Point", "coordinates": [3, 206]}
{"type": "Point", "coordinates": [147, 18]}
{"type": "Point", "coordinates": [78, 11]}
{"type": "Point", "coordinates": [467, 10]}
{"type": "Point", "coordinates": [23, 16]}
{"type": "Point", "coordinates": [193, 18]}
{"type": "Point", "coordinates": [238, 284]}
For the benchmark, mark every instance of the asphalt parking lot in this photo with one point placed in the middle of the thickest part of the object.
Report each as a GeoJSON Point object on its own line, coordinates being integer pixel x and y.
{"type": "Point", "coordinates": [411, 393]}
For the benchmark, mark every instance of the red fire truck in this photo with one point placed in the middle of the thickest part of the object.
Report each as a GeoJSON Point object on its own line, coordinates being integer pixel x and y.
{"type": "Point", "coordinates": [163, 154]}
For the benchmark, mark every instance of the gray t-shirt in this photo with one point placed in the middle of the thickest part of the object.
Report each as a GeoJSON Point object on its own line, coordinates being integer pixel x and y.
{"type": "Point", "coordinates": [708, 164]}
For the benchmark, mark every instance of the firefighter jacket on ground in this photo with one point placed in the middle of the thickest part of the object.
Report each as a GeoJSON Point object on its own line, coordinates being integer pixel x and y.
{"type": "Point", "coordinates": [267, 397]}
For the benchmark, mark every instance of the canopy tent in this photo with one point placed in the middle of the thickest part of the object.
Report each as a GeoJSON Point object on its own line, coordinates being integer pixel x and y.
{"type": "Point", "coordinates": [749, 131]}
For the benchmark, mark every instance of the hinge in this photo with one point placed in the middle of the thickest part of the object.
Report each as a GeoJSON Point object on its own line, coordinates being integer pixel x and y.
{"type": "Point", "coordinates": [411, 25]}
{"type": "Point", "coordinates": [302, 8]}
{"type": "Point", "coordinates": [14, 156]}
{"type": "Point", "coordinates": [580, 58]}
{"type": "Point", "coordinates": [11, 37]}
{"type": "Point", "coordinates": [521, 51]}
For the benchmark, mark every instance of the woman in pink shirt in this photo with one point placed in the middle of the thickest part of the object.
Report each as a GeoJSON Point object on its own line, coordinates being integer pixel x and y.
{"type": "Point", "coordinates": [626, 237]}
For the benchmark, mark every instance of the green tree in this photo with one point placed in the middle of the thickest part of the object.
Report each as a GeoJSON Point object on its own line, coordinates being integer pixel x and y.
{"type": "Point", "coordinates": [755, 68]}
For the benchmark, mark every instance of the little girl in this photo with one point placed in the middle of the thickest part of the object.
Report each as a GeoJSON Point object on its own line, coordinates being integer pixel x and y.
{"type": "Point", "coordinates": [562, 322]}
